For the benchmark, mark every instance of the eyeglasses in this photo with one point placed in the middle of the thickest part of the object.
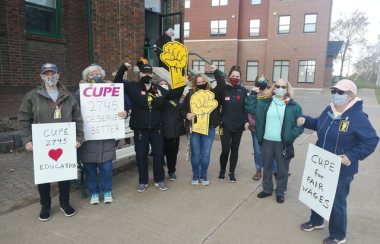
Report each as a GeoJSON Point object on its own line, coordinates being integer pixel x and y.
{"type": "Point", "coordinates": [263, 80]}
{"type": "Point", "coordinates": [283, 87]}
{"type": "Point", "coordinates": [337, 91]}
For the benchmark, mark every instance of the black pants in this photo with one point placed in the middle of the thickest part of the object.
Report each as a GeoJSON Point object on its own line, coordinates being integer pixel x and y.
{"type": "Point", "coordinates": [44, 190]}
{"type": "Point", "coordinates": [171, 147]}
{"type": "Point", "coordinates": [142, 138]}
{"type": "Point", "coordinates": [230, 141]}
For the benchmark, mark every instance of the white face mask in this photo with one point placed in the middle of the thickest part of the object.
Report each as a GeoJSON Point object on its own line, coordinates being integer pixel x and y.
{"type": "Point", "coordinates": [50, 80]}
{"type": "Point", "coordinates": [280, 92]}
{"type": "Point", "coordinates": [165, 87]}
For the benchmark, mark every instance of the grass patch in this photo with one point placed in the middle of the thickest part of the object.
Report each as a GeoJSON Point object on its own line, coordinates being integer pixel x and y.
{"type": "Point", "coordinates": [364, 84]}
{"type": "Point", "coordinates": [377, 93]}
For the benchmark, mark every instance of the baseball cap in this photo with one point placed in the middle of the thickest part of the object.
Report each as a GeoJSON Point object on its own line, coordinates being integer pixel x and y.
{"type": "Point", "coordinates": [49, 66]}
{"type": "Point", "coordinates": [146, 68]}
{"type": "Point", "coordinates": [346, 85]}
{"type": "Point", "coordinates": [169, 31]}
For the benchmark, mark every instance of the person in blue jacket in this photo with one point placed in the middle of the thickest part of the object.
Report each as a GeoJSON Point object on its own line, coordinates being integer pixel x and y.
{"type": "Point", "coordinates": [343, 129]}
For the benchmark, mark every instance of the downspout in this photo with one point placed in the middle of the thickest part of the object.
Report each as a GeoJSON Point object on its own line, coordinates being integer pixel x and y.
{"type": "Point", "coordinates": [167, 18]}
{"type": "Point", "coordinates": [89, 30]}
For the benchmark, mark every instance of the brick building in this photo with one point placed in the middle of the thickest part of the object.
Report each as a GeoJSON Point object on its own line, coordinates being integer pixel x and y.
{"type": "Point", "coordinates": [279, 38]}
{"type": "Point", "coordinates": [35, 32]}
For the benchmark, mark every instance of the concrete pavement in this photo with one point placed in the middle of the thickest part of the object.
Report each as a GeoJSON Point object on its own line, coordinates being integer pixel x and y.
{"type": "Point", "coordinates": [219, 213]}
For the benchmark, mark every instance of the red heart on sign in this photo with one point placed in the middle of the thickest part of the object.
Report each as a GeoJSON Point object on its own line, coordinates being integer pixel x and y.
{"type": "Point", "coordinates": [55, 154]}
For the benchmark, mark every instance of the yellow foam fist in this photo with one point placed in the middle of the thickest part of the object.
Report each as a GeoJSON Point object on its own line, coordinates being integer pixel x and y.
{"type": "Point", "coordinates": [202, 103]}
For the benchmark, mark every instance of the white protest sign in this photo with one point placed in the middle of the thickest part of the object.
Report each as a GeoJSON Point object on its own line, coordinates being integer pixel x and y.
{"type": "Point", "coordinates": [54, 152]}
{"type": "Point", "coordinates": [320, 179]}
{"type": "Point", "coordinates": [100, 103]}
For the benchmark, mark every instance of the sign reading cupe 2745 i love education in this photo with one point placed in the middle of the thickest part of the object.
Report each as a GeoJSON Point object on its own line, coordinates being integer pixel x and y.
{"type": "Point", "coordinates": [320, 179]}
{"type": "Point", "coordinates": [54, 152]}
{"type": "Point", "coordinates": [100, 104]}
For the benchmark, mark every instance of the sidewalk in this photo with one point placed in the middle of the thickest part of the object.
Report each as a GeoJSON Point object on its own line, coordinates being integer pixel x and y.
{"type": "Point", "coordinates": [219, 213]}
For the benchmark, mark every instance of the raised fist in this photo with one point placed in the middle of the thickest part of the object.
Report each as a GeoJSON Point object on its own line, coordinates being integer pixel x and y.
{"type": "Point", "coordinates": [175, 56]}
{"type": "Point", "coordinates": [202, 103]}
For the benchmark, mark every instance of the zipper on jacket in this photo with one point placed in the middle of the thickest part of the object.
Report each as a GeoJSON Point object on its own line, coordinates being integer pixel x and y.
{"type": "Point", "coordinates": [283, 127]}
{"type": "Point", "coordinates": [265, 118]}
{"type": "Point", "coordinates": [324, 141]}
{"type": "Point", "coordinates": [57, 99]}
{"type": "Point", "coordinates": [150, 117]}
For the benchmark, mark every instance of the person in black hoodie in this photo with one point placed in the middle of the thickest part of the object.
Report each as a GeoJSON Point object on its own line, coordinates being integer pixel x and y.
{"type": "Point", "coordinates": [172, 128]}
{"type": "Point", "coordinates": [234, 118]}
{"type": "Point", "coordinates": [148, 100]}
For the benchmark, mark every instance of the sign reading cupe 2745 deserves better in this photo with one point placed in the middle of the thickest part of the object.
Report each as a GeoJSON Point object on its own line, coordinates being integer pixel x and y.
{"type": "Point", "coordinates": [100, 104]}
{"type": "Point", "coordinates": [320, 179]}
{"type": "Point", "coordinates": [54, 152]}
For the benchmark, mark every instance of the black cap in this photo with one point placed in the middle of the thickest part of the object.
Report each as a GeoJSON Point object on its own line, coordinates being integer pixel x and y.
{"type": "Point", "coordinates": [146, 68]}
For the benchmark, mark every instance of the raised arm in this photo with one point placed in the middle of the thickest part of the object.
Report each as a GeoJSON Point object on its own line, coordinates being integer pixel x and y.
{"type": "Point", "coordinates": [251, 101]}
{"type": "Point", "coordinates": [175, 93]}
{"type": "Point", "coordinates": [120, 73]}
{"type": "Point", "coordinates": [220, 83]}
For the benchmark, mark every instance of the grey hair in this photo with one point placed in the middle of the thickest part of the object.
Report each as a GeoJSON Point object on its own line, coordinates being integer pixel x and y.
{"type": "Point", "coordinates": [92, 68]}
{"type": "Point", "coordinates": [350, 93]}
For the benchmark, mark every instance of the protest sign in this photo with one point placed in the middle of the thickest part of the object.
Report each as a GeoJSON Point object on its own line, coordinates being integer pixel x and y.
{"type": "Point", "coordinates": [100, 103]}
{"type": "Point", "coordinates": [54, 152]}
{"type": "Point", "coordinates": [202, 103]}
{"type": "Point", "coordinates": [320, 179]}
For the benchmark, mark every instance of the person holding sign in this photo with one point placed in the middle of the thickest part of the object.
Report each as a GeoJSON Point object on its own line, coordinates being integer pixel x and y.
{"type": "Point", "coordinates": [343, 129]}
{"type": "Point", "coordinates": [276, 130]}
{"type": "Point", "coordinates": [97, 154]}
{"type": "Point", "coordinates": [50, 102]}
{"type": "Point", "coordinates": [234, 118]}
{"type": "Point", "coordinates": [201, 143]}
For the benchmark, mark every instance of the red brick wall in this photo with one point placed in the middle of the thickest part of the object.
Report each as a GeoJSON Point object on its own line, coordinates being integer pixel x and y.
{"type": "Point", "coordinates": [252, 51]}
{"type": "Point", "coordinates": [248, 12]}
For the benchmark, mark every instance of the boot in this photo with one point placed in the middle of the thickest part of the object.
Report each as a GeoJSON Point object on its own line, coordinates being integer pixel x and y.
{"type": "Point", "coordinates": [258, 174]}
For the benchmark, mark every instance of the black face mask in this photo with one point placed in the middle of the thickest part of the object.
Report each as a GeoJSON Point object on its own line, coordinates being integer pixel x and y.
{"type": "Point", "coordinates": [96, 79]}
{"type": "Point", "coordinates": [146, 79]}
{"type": "Point", "coordinates": [263, 86]}
{"type": "Point", "coordinates": [203, 86]}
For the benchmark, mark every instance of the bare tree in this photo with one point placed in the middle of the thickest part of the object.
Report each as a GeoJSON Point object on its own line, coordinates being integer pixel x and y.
{"type": "Point", "coordinates": [350, 28]}
{"type": "Point", "coordinates": [367, 65]}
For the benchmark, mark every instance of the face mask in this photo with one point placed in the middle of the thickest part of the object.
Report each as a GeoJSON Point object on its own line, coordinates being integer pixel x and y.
{"type": "Point", "coordinates": [146, 79]}
{"type": "Point", "coordinates": [339, 100]}
{"type": "Point", "coordinates": [96, 79]}
{"type": "Point", "coordinates": [203, 86]}
{"type": "Point", "coordinates": [50, 80]}
{"type": "Point", "coordinates": [234, 81]}
{"type": "Point", "coordinates": [165, 87]}
{"type": "Point", "coordinates": [280, 92]}
{"type": "Point", "coordinates": [263, 86]}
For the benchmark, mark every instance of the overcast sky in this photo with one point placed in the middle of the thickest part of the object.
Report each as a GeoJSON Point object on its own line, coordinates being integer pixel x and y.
{"type": "Point", "coordinates": [372, 8]}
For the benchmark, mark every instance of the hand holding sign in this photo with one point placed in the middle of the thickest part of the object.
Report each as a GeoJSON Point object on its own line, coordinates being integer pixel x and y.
{"type": "Point", "coordinates": [345, 160]}
{"type": "Point", "coordinates": [202, 103]}
{"type": "Point", "coordinates": [29, 146]}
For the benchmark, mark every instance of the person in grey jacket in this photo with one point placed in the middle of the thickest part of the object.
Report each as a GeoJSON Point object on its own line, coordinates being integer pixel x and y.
{"type": "Point", "coordinates": [41, 105]}
{"type": "Point", "coordinates": [97, 154]}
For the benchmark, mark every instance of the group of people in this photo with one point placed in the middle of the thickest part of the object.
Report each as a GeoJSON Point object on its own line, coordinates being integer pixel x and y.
{"type": "Point", "coordinates": [157, 119]}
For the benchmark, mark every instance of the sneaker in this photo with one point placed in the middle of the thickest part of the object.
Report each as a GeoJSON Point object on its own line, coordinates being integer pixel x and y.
{"type": "Point", "coordinates": [142, 187]}
{"type": "Point", "coordinates": [231, 177]}
{"type": "Point", "coordinates": [205, 181]}
{"type": "Point", "coordinates": [94, 199]}
{"type": "Point", "coordinates": [195, 180]}
{"type": "Point", "coordinates": [257, 176]}
{"type": "Point", "coordinates": [330, 240]}
{"type": "Point", "coordinates": [67, 209]}
{"type": "Point", "coordinates": [45, 212]}
{"type": "Point", "coordinates": [309, 227]}
{"type": "Point", "coordinates": [161, 185]}
{"type": "Point", "coordinates": [172, 176]}
{"type": "Point", "coordinates": [221, 175]}
{"type": "Point", "coordinates": [107, 197]}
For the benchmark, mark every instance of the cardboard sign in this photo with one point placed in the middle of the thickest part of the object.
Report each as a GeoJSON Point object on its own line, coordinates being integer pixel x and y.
{"type": "Point", "coordinates": [175, 56]}
{"type": "Point", "coordinates": [54, 152]}
{"type": "Point", "coordinates": [202, 103]}
{"type": "Point", "coordinates": [100, 103]}
{"type": "Point", "coordinates": [320, 179]}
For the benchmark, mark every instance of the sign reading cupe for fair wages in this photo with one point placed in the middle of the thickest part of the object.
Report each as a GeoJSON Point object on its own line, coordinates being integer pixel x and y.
{"type": "Point", "coordinates": [100, 104]}
{"type": "Point", "coordinates": [54, 152]}
{"type": "Point", "coordinates": [320, 179]}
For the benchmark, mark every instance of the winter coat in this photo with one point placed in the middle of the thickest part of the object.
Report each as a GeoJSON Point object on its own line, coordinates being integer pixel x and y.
{"type": "Point", "coordinates": [251, 117]}
{"type": "Point", "coordinates": [234, 115]}
{"type": "Point", "coordinates": [289, 132]}
{"type": "Point", "coordinates": [161, 41]}
{"type": "Point", "coordinates": [38, 107]}
{"type": "Point", "coordinates": [96, 151]}
{"type": "Point", "coordinates": [352, 134]}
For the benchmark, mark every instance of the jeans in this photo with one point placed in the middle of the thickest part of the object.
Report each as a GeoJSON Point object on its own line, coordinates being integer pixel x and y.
{"type": "Point", "coordinates": [230, 142]}
{"type": "Point", "coordinates": [338, 217]}
{"type": "Point", "coordinates": [64, 190]}
{"type": "Point", "coordinates": [257, 156]}
{"type": "Point", "coordinates": [200, 151]}
{"type": "Point", "coordinates": [91, 175]}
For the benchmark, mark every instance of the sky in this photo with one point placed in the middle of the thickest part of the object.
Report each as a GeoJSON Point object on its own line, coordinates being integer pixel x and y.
{"type": "Point", "coordinates": [372, 8]}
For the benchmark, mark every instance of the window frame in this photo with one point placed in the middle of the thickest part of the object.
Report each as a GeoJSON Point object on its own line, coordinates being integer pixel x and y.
{"type": "Point", "coordinates": [186, 29]}
{"type": "Point", "coordinates": [246, 75]}
{"type": "Point", "coordinates": [249, 31]}
{"type": "Point", "coordinates": [58, 14]}
{"type": "Point", "coordinates": [304, 23]}
{"type": "Point", "coordinates": [189, 4]}
{"type": "Point", "coordinates": [280, 70]}
{"type": "Point", "coordinates": [298, 73]}
{"type": "Point", "coordinates": [199, 65]}
{"type": "Point", "coordinates": [217, 66]}
{"type": "Point", "coordinates": [218, 4]}
{"type": "Point", "coordinates": [290, 22]}
{"type": "Point", "coordinates": [252, 4]}
{"type": "Point", "coordinates": [218, 35]}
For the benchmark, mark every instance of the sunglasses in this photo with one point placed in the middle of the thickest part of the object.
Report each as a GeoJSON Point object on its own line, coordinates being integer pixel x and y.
{"type": "Point", "coordinates": [283, 87]}
{"type": "Point", "coordinates": [263, 80]}
{"type": "Point", "coordinates": [337, 91]}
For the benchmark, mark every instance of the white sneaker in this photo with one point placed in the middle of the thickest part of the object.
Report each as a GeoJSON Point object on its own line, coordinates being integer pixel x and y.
{"type": "Point", "coordinates": [94, 199]}
{"type": "Point", "coordinates": [108, 197]}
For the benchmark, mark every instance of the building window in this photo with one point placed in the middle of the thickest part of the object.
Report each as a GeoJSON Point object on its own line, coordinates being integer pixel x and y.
{"type": "Point", "coordinates": [220, 64]}
{"type": "Point", "coordinates": [284, 24]}
{"type": "Point", "coordinates": [255, 2]}
{"type": "Point", "coordinates": [254, 27]}
{"type": "Point", "coordinates": [186, 29]}
{"type": "Point", "coordinates": [219, 2]}
{"type": "Point", "coordinates": [280, 70]}
{"type": "Point", "coordinates": [187, 3]}
{"type": "Point", "coordinates": [218, 28]}
{"type": "Point", "coordinates": [310, 25]}
{"type": "Point", "coordinates": [306, 71]}
{"type": "Point", "coordinates": [43, 18]}
{"type": "Point", "coordinates": [252, 70]}
{"type": "Point", "coordinates": [199, 66]}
